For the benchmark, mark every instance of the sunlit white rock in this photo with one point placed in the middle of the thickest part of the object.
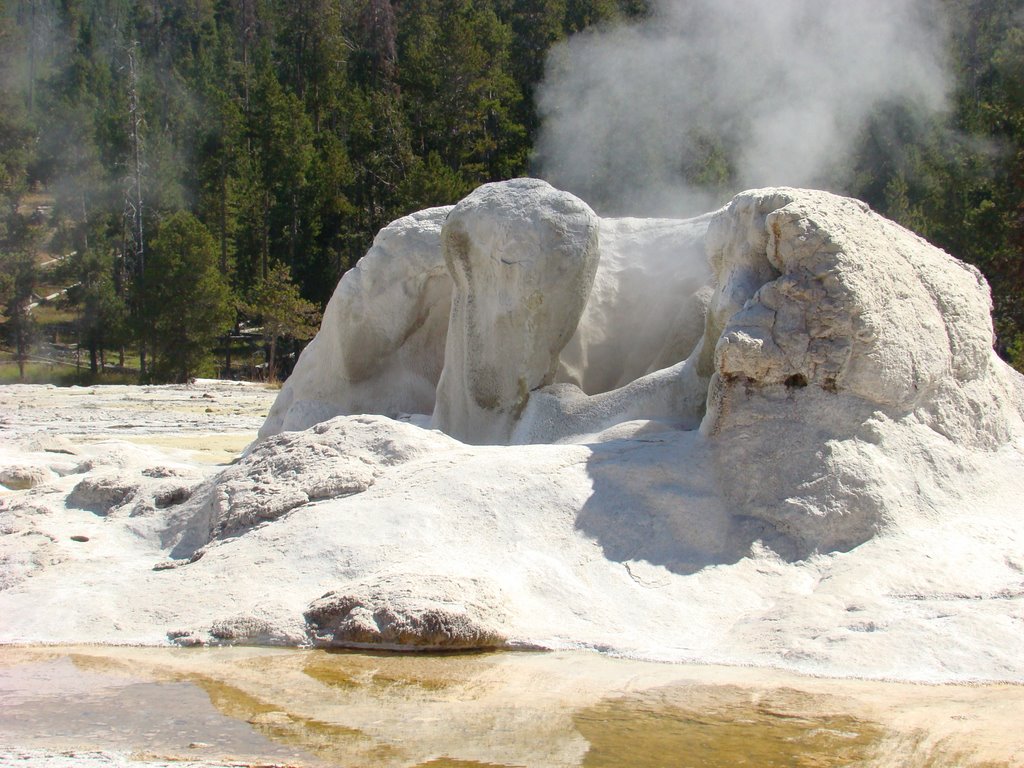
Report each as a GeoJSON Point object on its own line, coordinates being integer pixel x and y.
{"type": "Point", "coordinates": [380, 348]}
{"type": "Point", "coordinates": [523, 256]}
{"type": "Point", "coordinates": [824, 473]}
{"type": "Point", "coordinates": [813, 331]}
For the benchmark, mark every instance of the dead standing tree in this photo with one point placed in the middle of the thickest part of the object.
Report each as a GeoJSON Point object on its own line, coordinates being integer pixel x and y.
{"type": "Point", "coordinates": [134, 235]}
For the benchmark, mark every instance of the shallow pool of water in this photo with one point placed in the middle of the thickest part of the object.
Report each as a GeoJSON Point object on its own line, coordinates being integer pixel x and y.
{"type": "Point", "coordinates": [314, 708]}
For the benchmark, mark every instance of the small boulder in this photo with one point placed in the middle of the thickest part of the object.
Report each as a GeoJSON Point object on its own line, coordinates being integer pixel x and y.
{"type": "Point", "coordinates": [21, 478]}
{"type": "Point", "coordinates": [102, 493]}
{"type": "Point", "coordinates": [418, 613]}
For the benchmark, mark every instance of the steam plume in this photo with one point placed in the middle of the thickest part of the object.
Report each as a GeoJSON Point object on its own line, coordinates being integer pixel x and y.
{"type": "Point", "coordinates": [773, 92]}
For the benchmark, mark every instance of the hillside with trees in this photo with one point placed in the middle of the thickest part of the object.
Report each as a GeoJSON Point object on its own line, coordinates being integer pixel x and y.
{"type": "Point", "coordinates": [187, 181]}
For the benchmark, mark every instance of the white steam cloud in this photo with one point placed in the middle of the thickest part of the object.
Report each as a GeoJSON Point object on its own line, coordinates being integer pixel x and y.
{"type": "Point", "coordinates": [774, 92]}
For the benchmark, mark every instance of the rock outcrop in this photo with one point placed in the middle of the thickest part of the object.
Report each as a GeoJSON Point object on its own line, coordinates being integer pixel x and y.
{"type": "Point", "coordinates": [523, 256]}
{"type": "Point", "coordinates": [828, 321]}
{"type": "Point", "coordinates": [331, 460]}
{"type": "Point", "coordinates": [380, 348]}
{"type": "Point", "coordinates": [22, 478]}
{"type": "Point", "coordinates": [810, 321]}
{"type": "Point", "coordinates": [418, 612]}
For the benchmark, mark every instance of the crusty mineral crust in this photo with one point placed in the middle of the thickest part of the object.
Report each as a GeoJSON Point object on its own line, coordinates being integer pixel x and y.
{"type": "Point", "coordinates": [421, 613]}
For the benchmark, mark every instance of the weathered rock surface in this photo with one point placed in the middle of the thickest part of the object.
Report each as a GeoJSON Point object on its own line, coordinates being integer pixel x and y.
{"type": "Point", "coordinates": [523, 256]}
{"type": "Point", "coordinates": [241, 629]}
{"type": "Point", "coordinates": [333, 459]}
{"type": "Point", "coordinates": [380, 348]}
{"type": "Point", "coordinates": [418, 611]}
{"type": "Point", "coordinates": [102, 492]}
{"type": "Point", "coordinates": [856, 306]}
{"type": "Point", "coordinates": [24, 477]}
{"type": "Point", "coordinates": [831, 322]}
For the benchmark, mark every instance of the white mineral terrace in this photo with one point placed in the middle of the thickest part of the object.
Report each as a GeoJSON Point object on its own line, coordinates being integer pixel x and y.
{"type": "Point", "coordinates": [774, 436]}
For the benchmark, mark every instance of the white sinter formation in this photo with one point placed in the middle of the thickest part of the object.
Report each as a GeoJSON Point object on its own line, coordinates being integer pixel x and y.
{"type": "Point", "coordinates": [814, 321]}
{"type": "Point", "coordinates": [776, 434]}
{"type": "Point", "coordinates": [381, 346]}
{"type": "Point", "coordinates": [523, 256]}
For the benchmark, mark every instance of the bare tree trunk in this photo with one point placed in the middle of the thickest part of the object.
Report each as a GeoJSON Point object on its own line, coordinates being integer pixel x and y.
{"type": "Point", "coordinates": [223, 216]}
{"type": "Point", "coordinates": [21, 336]}
{"type": "Point", "coordinates": [265, 250]}
{"type": "Point", "coordinates": [135, 201]}
{"type": "Point", "coordinates": [248, 36]}
{"type": "Point", "coordinates": [33, 41]}
{"type": "Point", "coordinates": [295, 228]}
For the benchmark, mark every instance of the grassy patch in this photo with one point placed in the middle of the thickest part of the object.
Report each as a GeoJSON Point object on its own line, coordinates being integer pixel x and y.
{"type": "Point", "coordinates": [61, 375]}
{"type": "Point", "coordinates": [47, 314]}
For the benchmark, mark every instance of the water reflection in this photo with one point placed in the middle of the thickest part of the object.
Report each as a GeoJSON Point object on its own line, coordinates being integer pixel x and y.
{"type": "Point", "coordinates": [730, 731]}
{"type": "Point", "coordinates": [313, 708]}
{"type": "Point", "coordinates": [76, 701]}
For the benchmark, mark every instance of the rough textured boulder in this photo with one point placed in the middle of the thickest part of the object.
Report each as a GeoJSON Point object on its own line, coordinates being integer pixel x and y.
{"type": "Point", "coordinates": [419, 611]}
{"type": "Point", "coordinates": [102, 492]}
{"type": "Point", "coordinates": [333, 459]}
{"type": "Point", "coordinates": [829, 321]}
{"type": "Point", "coordinates": [240, 629]}
{"type": "Point", "coordinates": [22, 478]}
{"type": "Point", "coordinates": [822, 291]}
{"type": "Point", "coordinates": [523, 256]}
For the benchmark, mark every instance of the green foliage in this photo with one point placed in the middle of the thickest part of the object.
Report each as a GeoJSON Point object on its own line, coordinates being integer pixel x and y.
{"type": "Point", "coordinates": [16, 135]}
{"type": "Point", "coordinates": [102, 319]}
{"type": "Point", "coordinates": [15, 140]}
{"type": "Point", "coordinates": [184, 302]}
{"type": "Point", "coordinates": [1015, 351]}
{"type": "Point", "coordinates": [275, 304]}
{"type": "Point", "coordinates": [16, 289]}
{"type": "Point", "coordinates": [459, 89]}
{"type": "Point", "coordinates": [290, 132]}
{"type": "Point", "coordinates": [432, 182]}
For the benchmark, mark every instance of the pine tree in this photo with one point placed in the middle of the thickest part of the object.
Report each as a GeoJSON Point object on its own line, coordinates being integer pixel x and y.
{"type": "Point", "coordinates": [16, 293]}
{"type": "Point", "coordinates": [275, 304]}
{"type": "Point", "coordinates": [185, 303]}
{"type": "Point", "coordinates": [102, 316]}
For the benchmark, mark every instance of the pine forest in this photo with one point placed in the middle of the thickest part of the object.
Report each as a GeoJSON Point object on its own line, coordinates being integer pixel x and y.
{"type": "Point", "coordinates": [183, 182]}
